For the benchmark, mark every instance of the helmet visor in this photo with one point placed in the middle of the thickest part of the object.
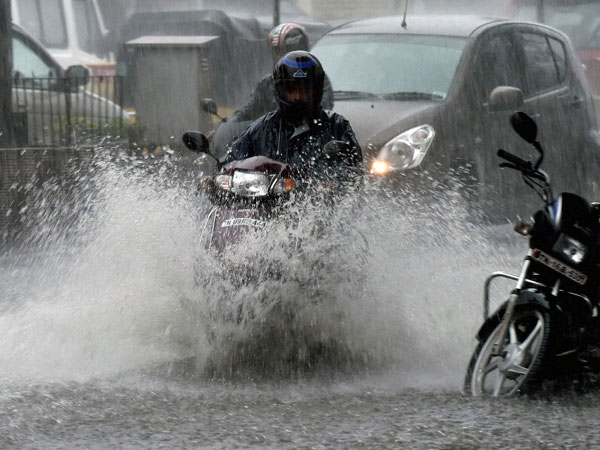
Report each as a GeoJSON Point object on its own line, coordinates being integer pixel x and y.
{"type": "Point", "coordinates": [296, 91]}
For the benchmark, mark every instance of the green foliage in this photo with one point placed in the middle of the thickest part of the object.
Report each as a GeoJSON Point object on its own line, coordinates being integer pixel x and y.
{"type": "Point", "coordinates": [84, 127]}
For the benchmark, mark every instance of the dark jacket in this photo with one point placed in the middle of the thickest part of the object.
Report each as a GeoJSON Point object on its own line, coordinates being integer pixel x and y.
{"type": "Point", "coordinates": [262, 100]}
{"type": "Point", "coordinates": [301, 146]}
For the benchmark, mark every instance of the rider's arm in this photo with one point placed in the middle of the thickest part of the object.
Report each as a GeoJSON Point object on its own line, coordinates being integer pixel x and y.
{"type": "Point", "coordinates": [344, 132]}
{"type": "Point", "coordinates": [349, 167]}
{"type": "Point", "coordinates": [242, 147]}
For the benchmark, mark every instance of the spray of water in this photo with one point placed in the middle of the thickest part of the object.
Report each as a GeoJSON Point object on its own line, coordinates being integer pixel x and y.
{"type": "Point", "coordinates": [113, 278]}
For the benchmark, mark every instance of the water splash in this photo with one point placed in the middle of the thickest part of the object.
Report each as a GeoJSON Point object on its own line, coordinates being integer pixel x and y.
{"type": "Point", "coordinates": [108, 284]}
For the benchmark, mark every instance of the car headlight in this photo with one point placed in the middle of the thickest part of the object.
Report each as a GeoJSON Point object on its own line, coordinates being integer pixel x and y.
{"type": "Point", "coordinates": [571, 249]}
{"type": "Point", "coordinates": [250, 184]}
{"type": "Point", "coordinates": [405, 151]}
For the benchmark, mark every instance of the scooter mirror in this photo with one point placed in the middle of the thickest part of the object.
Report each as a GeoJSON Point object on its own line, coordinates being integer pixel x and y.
{"type": "Point", "coordinates": [208, 105]}
{"type": "Point", "coordinates": [195, 141]}
{"type": "Point", "coordinates": [525, 126]}
{"type": "Point", "coordinates": [336, 148]}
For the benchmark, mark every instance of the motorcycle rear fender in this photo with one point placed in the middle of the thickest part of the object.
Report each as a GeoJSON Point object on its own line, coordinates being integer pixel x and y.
{"type": "Point", "coordinates": [525, 298]}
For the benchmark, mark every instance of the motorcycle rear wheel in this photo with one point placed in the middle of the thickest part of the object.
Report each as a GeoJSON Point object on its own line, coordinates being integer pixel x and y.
{"type": "Point", "coordinates": [519, 367]}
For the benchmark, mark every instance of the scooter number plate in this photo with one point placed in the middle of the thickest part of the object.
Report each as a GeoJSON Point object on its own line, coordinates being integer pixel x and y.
{"type": "Point", "coordinates": [244, 222]}
{"type": "Point", "coordinates": [559, 267]}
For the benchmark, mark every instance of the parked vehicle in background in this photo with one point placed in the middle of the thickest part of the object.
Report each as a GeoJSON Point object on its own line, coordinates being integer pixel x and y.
{"type": "Point", "coordinates": [580, 20]}
{"type": "Point", "coordinates": [417, 97]}
{"type": "Point", "coordinates": [260, 10]}
{"type": "Point", "coordinates": [242, 57]}
{"type": "Point", "coordinates": [54, 105]}
{"type": "Point", "coordinates": [72, 31]}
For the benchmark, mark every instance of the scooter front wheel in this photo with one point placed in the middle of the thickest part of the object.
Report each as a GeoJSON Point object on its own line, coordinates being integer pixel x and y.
{"type": "Point", "coordinates": [517, 367]}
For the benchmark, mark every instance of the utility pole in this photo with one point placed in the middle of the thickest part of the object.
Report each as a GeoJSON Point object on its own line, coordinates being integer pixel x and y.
{"type": "Point", "coordinates": [5, 71]}
{"type": "Point", "coordinates": [276, 13]}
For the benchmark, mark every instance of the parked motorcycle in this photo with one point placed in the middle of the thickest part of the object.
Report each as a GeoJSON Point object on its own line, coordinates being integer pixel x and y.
{"type": "Point", "coordinates": [549, 328]}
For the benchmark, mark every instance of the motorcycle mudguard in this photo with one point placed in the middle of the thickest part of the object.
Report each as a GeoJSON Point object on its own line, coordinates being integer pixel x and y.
{"type": "Point", "coordinates": [525, 298]}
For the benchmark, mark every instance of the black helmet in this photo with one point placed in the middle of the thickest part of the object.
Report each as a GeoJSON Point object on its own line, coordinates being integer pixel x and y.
{"type": "Point", "coordinates": [299, 71]}
{"type": "Point", "coordinates": [287, 37]}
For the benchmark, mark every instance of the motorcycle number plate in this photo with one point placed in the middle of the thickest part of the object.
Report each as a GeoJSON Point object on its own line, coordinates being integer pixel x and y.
{"type": "Point", "coordinates": [560, 267]}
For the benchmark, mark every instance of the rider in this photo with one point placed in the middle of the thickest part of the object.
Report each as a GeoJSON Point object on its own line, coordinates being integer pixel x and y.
{"type": "Point", "coordinates": [284, 38]}
{"type": "Point", "coordinates": [297, 130]}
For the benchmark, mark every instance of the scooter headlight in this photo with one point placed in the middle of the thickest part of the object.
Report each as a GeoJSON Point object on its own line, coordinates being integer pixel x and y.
{"type": "Point", "coordinates": [405, 151]}
{"type": "Point", "coordinates": [571, 249]}
{"type": "Point", "coordinates": [250, 184]}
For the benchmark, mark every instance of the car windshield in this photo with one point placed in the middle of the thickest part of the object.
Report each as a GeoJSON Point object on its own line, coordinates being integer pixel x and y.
{"type": "Point", "coordinates": [390, 66]}
{"type": "Point", "coordinates": [45, 21]}
{"type": "Point", "coordinates": [88, 29]}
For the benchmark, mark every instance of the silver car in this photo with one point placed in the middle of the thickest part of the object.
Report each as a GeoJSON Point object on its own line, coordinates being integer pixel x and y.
{"type": "Point", "coordinates": [417, 97]}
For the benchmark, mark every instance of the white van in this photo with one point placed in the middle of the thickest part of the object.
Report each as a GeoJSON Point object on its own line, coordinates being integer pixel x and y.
{"type": "Point", "coordinates": [72, 31]}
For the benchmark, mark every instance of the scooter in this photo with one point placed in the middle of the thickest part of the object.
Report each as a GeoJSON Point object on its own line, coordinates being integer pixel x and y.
{"type": "Point", "coordinates": [248, 195]}
{"type": "Point", "coordinates": [254, 197]}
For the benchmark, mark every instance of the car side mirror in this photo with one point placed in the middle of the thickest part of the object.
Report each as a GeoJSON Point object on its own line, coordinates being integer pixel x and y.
{"type": "Point", "coordinates": [525, 126]}
{"type": "Point", "coordinates": [196, 142]}
{"type": "Point", "coordinates": [208, 105]}
{"type": "Point", "coordinates": [78, 75]}
{"type": "Point", "coordinates": [505, 98]}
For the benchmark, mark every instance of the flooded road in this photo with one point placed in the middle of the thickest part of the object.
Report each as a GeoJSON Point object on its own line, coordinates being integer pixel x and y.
{"type": "Point", "coordinates": [150, 413]}
{"type": "Point", "coordinates": [108, 341]}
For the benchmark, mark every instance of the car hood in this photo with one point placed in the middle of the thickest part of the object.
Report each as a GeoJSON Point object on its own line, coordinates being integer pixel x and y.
{"type": "Point", "coordinates": [376, 122]}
